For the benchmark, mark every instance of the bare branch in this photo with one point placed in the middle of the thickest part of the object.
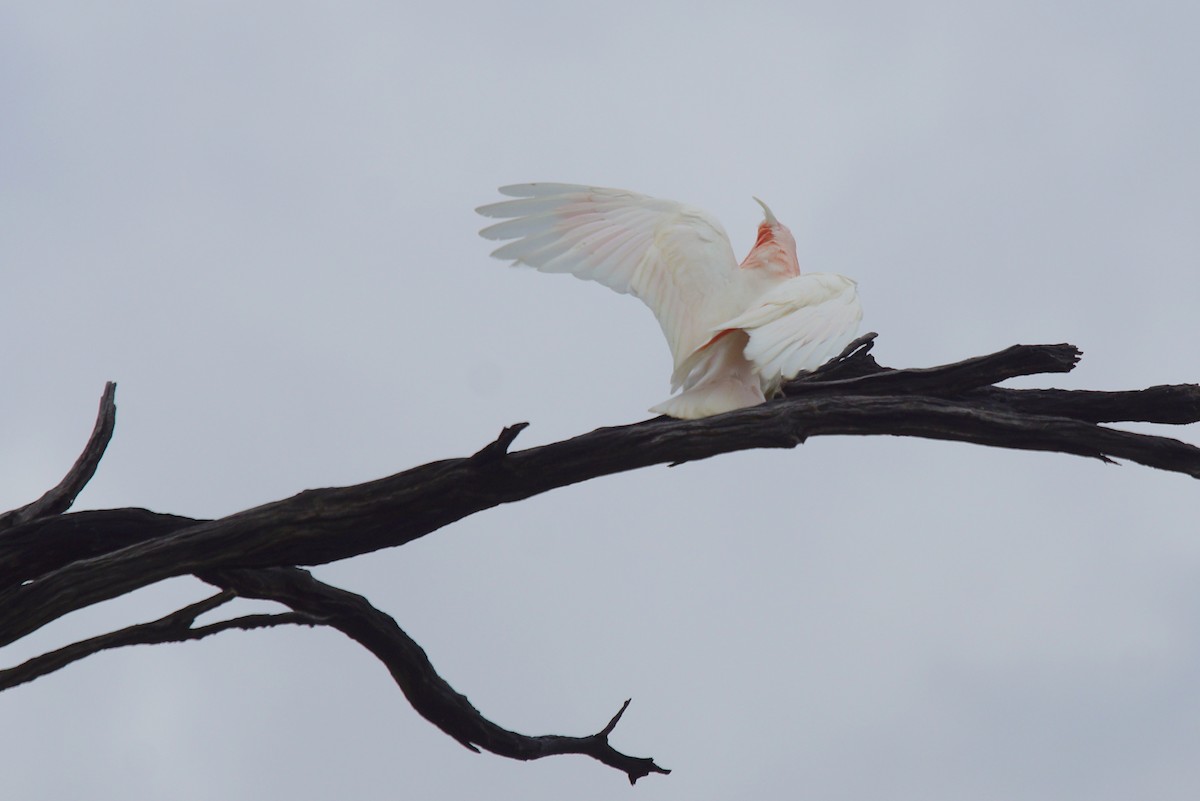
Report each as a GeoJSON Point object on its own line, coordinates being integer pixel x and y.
{"type": "Point", "coordinates": [49, 543]}
{"type": "Point", "coordinates": [943, 381]}
{"type": "Point", "coordinates": [59, 499]}
{"type": "Point", "coordinates": [53, 563]}
{"type": "Point", "coordinates": [325, 525]}
{"type": "Point", "coordinates": [430, 695]}
{"type": "Point", "coordinates": [1177, 404]}
{"type": "Point", "coordinates": [495, 451]}
{"type": "Point", "coordinates": [856, 351]}
{"type": "Point", "coordinates": [175, 627]}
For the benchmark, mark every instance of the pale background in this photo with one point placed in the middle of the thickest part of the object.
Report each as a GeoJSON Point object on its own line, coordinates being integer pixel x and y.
{"type": "Point", "coordinates": [257, 218]}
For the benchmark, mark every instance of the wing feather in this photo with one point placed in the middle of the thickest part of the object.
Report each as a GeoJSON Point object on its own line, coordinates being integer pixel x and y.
{"type": "Point", "coordinates": [541, 188]}
{"type": "Point", "coordinates": [674, 258]}
{"type": "Point", "coordinates": [799, 325]}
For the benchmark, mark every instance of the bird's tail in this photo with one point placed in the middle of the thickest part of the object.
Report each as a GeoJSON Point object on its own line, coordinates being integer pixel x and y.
{"type": "Point", "coordinates": [719, 379]}
{"type": "Point", "coordinates": [711, 397]}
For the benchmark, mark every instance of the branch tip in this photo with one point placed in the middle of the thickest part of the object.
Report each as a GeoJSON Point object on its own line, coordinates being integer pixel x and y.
{"type": "Point", "coordinates": [858, 348]}
{"type": "Point", "coordinates": [864, 343]}
{"type": "Point", "coordinates": [497, 450]}
{"type": "Point", "coordinates": [59, 499]}
{"type": "Point", "coordinates": [612, 724]}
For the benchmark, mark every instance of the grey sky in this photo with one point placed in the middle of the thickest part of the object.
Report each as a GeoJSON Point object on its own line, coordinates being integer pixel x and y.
{"type": "Point", "coordinates": [257, 218]}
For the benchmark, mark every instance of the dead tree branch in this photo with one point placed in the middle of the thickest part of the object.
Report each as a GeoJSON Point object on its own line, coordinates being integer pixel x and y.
{"type": "Point", "coordinates": [175, 627]}
{"type": "Point", "coordinates": [430, 695]}
{"type": "Point", "coordinates": [59, 499]}
{"type": "Point", "coordinates": [53, 563]}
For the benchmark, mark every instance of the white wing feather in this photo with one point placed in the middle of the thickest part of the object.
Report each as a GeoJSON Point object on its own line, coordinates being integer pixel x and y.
{"type": "Point", "coordinates": [674, 258]}
{"type": "Point", "coordinates": [799, 325]}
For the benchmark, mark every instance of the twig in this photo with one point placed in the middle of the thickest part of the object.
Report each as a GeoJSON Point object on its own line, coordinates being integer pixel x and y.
{"type": "Point", "coordinates": [495, 451]}
{"type": "Point", "coordinates": [175, 627]}
{"type": "Point", "coordinates": [59, 499]}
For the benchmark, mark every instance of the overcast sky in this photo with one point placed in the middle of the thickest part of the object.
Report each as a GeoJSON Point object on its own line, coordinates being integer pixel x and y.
{"type": "Point", "coordinates": [258, 219]}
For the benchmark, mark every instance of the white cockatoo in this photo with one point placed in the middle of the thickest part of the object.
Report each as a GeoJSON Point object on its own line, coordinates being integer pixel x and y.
{"type": "Point", "coordinates": [736, 332]}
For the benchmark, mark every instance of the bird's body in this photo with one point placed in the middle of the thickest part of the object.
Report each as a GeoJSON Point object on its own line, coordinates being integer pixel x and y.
{"type": "Point", "coordinates": [736, 331]}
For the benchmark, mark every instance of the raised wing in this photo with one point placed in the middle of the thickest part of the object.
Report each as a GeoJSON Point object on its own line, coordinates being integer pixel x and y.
{"type": "Point", "coordinates": [674, 258]}
{"type": "Point", "coordinates": [799, 325]}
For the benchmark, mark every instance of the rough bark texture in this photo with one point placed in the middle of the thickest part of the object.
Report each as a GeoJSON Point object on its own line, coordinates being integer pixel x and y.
{"type": "Point", "coordinates": [52, 563]}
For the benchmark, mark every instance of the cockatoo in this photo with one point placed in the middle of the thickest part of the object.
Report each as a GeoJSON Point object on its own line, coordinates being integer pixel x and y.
{"type": "Point", "coordinates": [736, 332]}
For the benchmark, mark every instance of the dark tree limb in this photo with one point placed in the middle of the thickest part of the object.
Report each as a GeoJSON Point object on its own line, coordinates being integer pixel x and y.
{"type": "Point", "coordinates": [46, 544]}
{"type": "Point", "coordinates": [175, 627]}
{"type": "Point", "coordinates": [1167, 404]}
{"type": "Point", "coordinates": [319, 526]}
{"type": "Point", "coordinates": [315, 603]}
{"type": "Point", "coordinates": [950, 379]}
{"type": "Point", "coordinates": [59, 499]}
{"type": "Point", "coordinates": [855, 372]}
{"type": "Point", "coordinates": [53, 563]}
{"type": "Point", "coordinates": [430, 695]}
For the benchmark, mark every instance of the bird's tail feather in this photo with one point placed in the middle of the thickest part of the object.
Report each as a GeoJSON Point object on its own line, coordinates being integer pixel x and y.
{"type": "Point", "coordinates": [712, 397]}
{"type": "Point", "coordinates": [718, 379]}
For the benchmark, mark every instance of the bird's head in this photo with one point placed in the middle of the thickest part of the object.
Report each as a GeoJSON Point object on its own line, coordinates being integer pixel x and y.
{"type": "Point", "coordinates": [768, 215]}
{"type": "Point", "coordinates": [775, 249]}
